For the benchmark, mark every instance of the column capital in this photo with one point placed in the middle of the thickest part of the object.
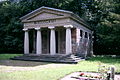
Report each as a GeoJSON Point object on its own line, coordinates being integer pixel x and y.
{"type": "Point", "coordinates": [38, 28]}
{"type": "Point", "coordinates": [51, 27]}
{"type": "Point", "coordinates": [25, 29]}
{"type": "Point", "coordinates": [68, 26]}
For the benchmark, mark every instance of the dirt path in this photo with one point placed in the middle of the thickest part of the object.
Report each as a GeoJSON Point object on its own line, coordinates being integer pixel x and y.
{"type": "Point", "coordinates": [12, 65]}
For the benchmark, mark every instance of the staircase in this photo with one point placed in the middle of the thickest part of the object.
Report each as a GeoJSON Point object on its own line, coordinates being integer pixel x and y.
{"type": "Point", "coordinates": [73, 59]}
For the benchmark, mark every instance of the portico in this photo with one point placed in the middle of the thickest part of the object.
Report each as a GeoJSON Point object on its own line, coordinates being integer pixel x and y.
{"type": "Point", "coordinates": [54, 33]}
{"type": "Point", "coordinates": [58, 32]}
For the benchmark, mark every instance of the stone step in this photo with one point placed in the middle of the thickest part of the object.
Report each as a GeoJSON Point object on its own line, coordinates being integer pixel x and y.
{"type": "Point", "coordinates": [49, 58]}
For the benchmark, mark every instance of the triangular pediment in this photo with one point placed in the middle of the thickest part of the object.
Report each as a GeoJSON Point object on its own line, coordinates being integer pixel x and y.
{"type": "Point", "coordinates": [44, 15]}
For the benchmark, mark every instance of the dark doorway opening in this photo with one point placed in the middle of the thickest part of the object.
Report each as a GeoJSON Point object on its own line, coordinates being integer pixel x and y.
{"type": "Point", "coordinates": [56, 38]}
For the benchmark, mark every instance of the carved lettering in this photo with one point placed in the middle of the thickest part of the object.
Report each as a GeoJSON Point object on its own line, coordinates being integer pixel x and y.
{"type": "Point", "coordinates": [44, 21]}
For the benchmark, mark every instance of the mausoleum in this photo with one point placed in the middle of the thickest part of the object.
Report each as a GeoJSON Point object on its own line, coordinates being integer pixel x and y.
{"type": "Point", "coordinates": [56, 33]}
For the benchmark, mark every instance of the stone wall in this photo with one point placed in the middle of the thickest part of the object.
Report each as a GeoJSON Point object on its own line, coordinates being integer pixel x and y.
{"type": "Point", "coordinates": [74, 44]}
{"type": "Point", "coordinates": [81, 45]}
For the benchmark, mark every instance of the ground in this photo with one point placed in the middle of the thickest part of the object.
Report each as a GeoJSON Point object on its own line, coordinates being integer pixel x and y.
{"type": "Point", "coordinates": [27, 70]}
{"type": "Point", "coordinates": [75, 76]}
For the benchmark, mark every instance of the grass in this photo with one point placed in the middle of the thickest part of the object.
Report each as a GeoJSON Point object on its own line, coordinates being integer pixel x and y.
{"type": "Point", "coordinates": [55, 73]}
{"type": "Point", "coordinates": [8, 56]}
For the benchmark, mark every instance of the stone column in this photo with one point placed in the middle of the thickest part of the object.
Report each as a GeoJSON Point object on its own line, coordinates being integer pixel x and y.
{"type": "Point", "coordinates": [87, 45]}
{"type": "Point", "coordinates": [52, 41]}
{"type": "Point", "coordinates": [91, 51]}
{"type": "Point", "coordinates": [38, 42]}
{"type": "Point", "coordinates": [87, 40]}
{"type": "Point", "coordinates": [26, 41]}
{"type": "Point", "coordinates": [78, 36]}
{"type": "Point", "coordinates": [83, 45]}
{"type": "Point", "coordinates": [68, 39]}
{"type": "Point", "coordinates": [83, 36]}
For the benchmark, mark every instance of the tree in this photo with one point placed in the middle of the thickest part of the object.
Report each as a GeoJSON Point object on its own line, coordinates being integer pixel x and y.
{"type": "Point", "coordinates": [108, 30]}
{"type": "Point", "coordinates": [102, 15]}
{"type": "Point", "coordinates": [10, 28]}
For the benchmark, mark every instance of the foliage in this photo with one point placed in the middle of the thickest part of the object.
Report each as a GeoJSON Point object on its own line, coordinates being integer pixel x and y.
{"type": "Point", "coordinates": [108, 29]}
{"type": "Point", "coordinates": [10, 28]}
{"type": "Point", "coordinates": [102, 15]}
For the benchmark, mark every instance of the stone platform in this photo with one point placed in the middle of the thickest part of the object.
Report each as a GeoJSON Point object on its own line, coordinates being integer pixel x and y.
{"type": "Point", "coordinates": [72, 76]}
{"type": "Point", "coordinates": [72, 59]}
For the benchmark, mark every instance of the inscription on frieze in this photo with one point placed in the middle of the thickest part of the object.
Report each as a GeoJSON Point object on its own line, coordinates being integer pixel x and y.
{"type": "Point", "coordinates": [44, 21]}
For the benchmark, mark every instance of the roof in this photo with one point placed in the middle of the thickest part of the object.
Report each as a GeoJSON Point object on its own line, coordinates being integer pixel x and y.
{"type": "Point", "coordinates": [43, 7]}
{"type": "Point", "coordinates": [60, 10]}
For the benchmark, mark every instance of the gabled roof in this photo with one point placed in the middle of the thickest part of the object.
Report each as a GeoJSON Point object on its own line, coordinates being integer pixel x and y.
{"type": "Point", "coordinates": [43, 7]}
{"type": "Point", "coordinates": [58, 10]}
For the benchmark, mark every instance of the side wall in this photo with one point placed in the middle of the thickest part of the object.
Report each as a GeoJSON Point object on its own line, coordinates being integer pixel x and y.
{"type": "Point", "coordinates": [83, 43]}
{"type": "Point", "coordinates": [82, 46]}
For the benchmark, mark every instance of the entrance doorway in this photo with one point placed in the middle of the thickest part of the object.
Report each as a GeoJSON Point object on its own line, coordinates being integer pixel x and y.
{"type": "Point", "coordinates": [60, 40]}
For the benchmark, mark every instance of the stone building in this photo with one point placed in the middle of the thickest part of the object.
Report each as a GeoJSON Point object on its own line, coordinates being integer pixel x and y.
{"type": "Point", "coordinates": [57, 32]}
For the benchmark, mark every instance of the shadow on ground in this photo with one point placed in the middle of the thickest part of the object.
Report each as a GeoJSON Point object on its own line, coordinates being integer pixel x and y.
{"type": "Point", "coordinates": [106, 59]}
{"type": "Point", "coordinates": [21, 63]}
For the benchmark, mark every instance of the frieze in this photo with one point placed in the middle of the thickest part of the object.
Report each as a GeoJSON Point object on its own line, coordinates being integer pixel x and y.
{"type": "Point", "coordinates": [44, 21]}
